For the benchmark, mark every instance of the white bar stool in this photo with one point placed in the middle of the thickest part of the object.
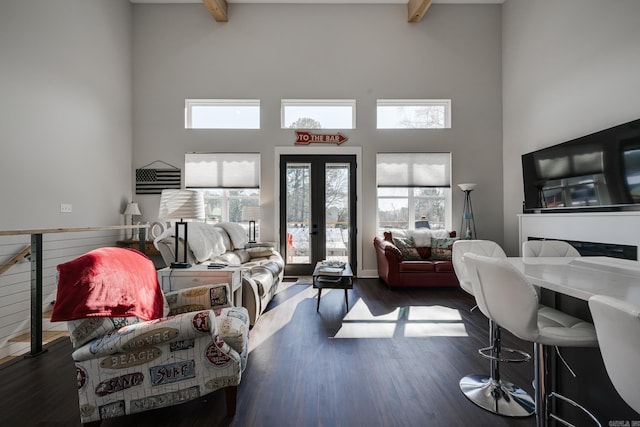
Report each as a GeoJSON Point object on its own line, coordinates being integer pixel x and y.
{"type": "Point", "coordinates": [506, 296]}
{"type": "Point", "coordinates": [548, 248]}
{"type": "Point", "coordinates": [490, 391]}
{"type": "Point", "coordinates": [618, 328]}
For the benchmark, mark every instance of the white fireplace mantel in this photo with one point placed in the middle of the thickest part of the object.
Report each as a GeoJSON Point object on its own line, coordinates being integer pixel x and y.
{"type": "Point", "coordinates": [599, 227]}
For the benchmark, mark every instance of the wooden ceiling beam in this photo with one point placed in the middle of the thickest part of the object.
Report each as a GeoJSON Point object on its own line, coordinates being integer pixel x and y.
{"type": "Point", "coordinates": [217, 9]}
{"type": "Point", "coordinates": [417, 9]}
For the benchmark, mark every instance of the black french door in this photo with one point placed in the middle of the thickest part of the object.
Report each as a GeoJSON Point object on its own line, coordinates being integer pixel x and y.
{"type": "Point", "coordinates": [317, 210]}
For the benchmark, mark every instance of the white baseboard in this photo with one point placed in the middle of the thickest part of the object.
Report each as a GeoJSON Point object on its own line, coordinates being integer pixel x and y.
{"type": "Point", "coordinates": [368, 274]}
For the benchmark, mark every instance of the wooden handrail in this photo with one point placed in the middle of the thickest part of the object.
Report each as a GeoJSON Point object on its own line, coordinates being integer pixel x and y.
{"type": "Point", "coordinates": [71, 229]}
{"type": "Point", "coordinates": [16, 259]}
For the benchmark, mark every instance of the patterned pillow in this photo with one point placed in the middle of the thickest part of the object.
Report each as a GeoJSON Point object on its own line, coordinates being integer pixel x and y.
{"type": "Point", "coordinates": [407, 248]}
{"type": "Point", "coordinates": [441, 248]}
{"type": "Point", "coordinates": [198, 298]}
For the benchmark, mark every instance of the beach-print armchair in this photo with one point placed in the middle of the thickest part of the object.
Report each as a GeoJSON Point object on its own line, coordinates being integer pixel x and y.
{"type": "Point", "coordinates": [137, 349]}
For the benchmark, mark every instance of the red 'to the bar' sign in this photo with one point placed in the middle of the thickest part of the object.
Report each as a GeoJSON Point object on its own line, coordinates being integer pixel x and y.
{"type": "Point", "coordinates": [305, 138]}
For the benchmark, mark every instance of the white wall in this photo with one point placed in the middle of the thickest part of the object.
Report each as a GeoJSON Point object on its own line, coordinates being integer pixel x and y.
{"type": "Point", "coordinates": [275, 51]}
{"type": "Point", "coordinates": [65, 137]}
{"type": "Point", "coordinates": [65, 112]}
{"type": "Point", "coordinates": [570, 68]}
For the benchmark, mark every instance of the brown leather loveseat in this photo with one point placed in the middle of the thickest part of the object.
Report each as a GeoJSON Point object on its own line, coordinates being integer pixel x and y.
{"type": "Point", "coordinates": [426, 263]}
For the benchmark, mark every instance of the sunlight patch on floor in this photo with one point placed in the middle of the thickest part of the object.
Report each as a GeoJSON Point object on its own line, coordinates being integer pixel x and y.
{"type": "Point", "coordinates": [406, 322]}
{"type": "Point", "coordinates": [434, 330]}
{"type": "Point", "coordinates": [366, 330]}
{"type": "Point", "coordinates": [360, 312]}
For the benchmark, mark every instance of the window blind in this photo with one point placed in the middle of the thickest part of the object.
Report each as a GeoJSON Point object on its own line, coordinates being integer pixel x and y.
{"type": "Point", "coordinates": [222, 170]}
{"type": "Point", "coordinates": [414, 169]}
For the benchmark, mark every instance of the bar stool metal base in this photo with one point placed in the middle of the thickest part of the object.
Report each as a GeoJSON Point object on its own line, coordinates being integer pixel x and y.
{"type": "Point", "coordinates": [499, 397]}
{"type": "Point", "coordinates": [541, 381]}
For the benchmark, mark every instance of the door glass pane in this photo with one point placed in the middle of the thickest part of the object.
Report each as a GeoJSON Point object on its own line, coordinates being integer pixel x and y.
{"type": "Point", "coordinates": [298, 213]}
{"type": "Point", "coordinates": [337, 216]}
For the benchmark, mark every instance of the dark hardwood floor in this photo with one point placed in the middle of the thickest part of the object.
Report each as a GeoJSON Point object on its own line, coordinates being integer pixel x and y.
{"type": "Point", "coordinates": [394, 360]}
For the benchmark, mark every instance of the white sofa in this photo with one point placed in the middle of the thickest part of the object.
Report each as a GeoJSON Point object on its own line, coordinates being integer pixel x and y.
{"type": "Point", "coordinates": [262, 266]}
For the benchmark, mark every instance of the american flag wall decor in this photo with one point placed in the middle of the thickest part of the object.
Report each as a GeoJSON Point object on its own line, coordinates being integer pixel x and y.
{"type": "Point", "coordinates": [153, 181]}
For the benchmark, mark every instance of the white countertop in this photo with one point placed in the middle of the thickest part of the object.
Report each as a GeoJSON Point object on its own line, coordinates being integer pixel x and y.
{"type": "Point", "coordinates": [583, 277]}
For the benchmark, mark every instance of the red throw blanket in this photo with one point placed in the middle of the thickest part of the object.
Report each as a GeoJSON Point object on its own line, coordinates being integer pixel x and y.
{"type": "Point", "coordinates": [108, 282]}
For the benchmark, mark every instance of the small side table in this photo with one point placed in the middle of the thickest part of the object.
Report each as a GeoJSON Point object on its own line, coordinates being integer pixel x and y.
{"type": "Point", "coordinates": [198, 275]}
{"type": "Point", "coordinates": [344, 280]}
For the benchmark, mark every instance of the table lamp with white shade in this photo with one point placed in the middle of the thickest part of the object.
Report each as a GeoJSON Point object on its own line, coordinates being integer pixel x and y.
{"type": "Point", "coordinates": [131, 210]}
{"type": "Point", "coordinates": [180, 205]}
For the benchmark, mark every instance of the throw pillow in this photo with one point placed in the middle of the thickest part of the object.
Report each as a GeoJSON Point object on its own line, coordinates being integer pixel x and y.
{"type": "Point", "coordinates": [441, 248]}
{"type": "Point", "coordinates": [198, 299]}
{"type": "Point", "coordinates": [423, 236]}
{"type": "Point", "coordinates": [237, 233]}
{"type": "Point", "coordinates": [108, 282]}
{"type": "Point", "coordinates": [407, 248]}
{"type": "Point", "coordinates": [205, 241]}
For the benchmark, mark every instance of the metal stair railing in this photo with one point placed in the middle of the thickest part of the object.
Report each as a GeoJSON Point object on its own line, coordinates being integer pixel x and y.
{"type": "Point", "coordinates": [35, 251]}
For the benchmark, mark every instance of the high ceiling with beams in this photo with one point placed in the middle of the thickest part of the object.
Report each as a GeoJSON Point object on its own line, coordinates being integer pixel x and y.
{"type": "Point", "coordinates": [416, 9]}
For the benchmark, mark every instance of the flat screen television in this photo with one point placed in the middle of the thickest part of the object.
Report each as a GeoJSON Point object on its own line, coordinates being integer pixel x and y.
{"type": "Point", "coordinates": [596, 172]}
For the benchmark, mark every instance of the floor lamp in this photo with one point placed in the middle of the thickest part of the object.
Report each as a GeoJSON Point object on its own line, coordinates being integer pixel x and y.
{"type": "Point", "coordinates": [468, 226]}
{"type": "Point", "coordinates": [181, 205]}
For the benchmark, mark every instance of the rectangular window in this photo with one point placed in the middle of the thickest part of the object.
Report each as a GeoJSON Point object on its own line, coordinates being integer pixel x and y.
{"type": "Point", "coordinates": [222, 113]}
{"type": "Point", "coordinates": [414, 190]}
{"type": "Point", "coordinates": [318, 114]}
{"type": "Point", "coordinates": [413, 113]}
{"type": "Point", "coordinates": [230, 183]}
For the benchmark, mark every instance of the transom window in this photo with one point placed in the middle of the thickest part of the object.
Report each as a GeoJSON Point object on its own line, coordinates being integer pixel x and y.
{"type": "Point", "coordinates": [414, 191]}
{"type": "Point", "coordinates": [318, 114]}
{"type": "Point", "coordinates": [413, 113]}
{"type": "Point", "coordinates": [222, 114]}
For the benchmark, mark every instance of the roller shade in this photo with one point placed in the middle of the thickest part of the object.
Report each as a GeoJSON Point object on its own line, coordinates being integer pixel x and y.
{"type": "Point", "coordinates": [414, 169]}
{"type": "Point", "coordinates": [222, 170]}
